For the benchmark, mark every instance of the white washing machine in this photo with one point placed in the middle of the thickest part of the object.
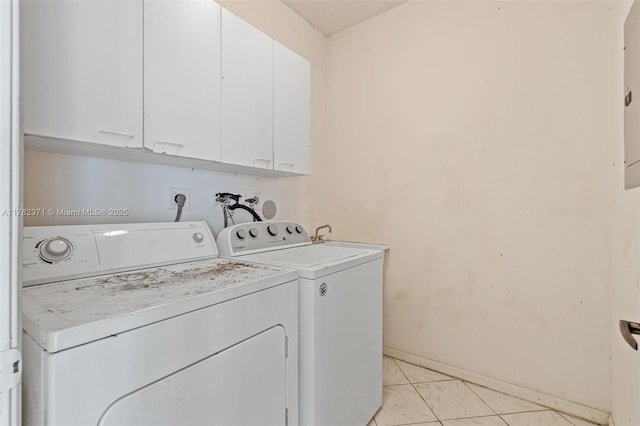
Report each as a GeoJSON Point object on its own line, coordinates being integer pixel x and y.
{"type": "Point", "coordinates": [142, 324]}
{"type": "Point", "coordinates": [340, 328]}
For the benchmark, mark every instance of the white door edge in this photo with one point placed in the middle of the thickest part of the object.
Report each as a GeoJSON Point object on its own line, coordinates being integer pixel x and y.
{"type": "Point", "coordinates": [10, 219]}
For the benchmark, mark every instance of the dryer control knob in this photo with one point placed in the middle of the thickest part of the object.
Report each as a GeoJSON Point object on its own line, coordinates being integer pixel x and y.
{"type": "Point", "coordinates": [298, 229]}
{"type": "Point", "coordinates": [253, 232]}
{"type": "Point", "coordinates": [54, 249]}
{"type": "Point", "coordinates": [290, 229]}
{"type": "Point", "coordinates": [273, 230]}
{"type": "Point", "coordinates": [241, 234]}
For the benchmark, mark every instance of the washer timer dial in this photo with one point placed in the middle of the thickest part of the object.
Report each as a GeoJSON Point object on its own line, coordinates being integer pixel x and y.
{"type": "Point", "coordinates": [54, 249]}
{"type": "Point", "coordinates": [273, 230]}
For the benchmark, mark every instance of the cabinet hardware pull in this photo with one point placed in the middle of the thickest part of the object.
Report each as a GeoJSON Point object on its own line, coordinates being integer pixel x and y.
{"type": "Point", "coordinates": [115, 132]}
{"type": "Point", "coordinates": [161, 142]}
{"type": "Point", "coordinates": [261, 159]}
{"type": "Point", "coordinates": [286, 164]}
{"type": "Point", "coordinates": [118, 133]}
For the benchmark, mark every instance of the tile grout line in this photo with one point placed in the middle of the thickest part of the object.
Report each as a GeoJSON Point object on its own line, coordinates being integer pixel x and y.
{"type": "Point", "coordinates": [569, 420]}
{"type": "Point", "coordinates": [496, 414]}
{"type": "Point", "coordinates": [401, 370]}
{"type": "Point", "coordinates": [452, 379]}
{"type": "Point", "coordinates": [416, 390]}
{"type": "Point", "coordinates": [483, 401]}
{"type": "Point", "coordinates": [521, 412]}
{"type": "Point", "coordinates": [539, 411]}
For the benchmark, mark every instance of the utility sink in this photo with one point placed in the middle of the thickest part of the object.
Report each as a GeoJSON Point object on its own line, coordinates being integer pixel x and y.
{"type": "Point", "coordinates": [353, 244]}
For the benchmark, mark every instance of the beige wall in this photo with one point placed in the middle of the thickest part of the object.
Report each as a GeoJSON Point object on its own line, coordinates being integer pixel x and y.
{"type": "Point", "coordinates": [63, 181]}
{"type": "Point", "coordinates": [475, 138]}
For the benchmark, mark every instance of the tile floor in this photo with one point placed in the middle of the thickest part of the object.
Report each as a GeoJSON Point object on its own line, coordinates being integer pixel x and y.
{"type": "Point", "coordinates": [419, 397]}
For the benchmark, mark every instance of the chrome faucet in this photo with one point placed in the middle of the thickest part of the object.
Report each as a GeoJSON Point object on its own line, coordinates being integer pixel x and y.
{"type": "Point", "coordinates": [319, 238]}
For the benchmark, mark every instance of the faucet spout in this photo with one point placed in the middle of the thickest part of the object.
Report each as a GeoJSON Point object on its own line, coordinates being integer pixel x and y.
{"type": "Point", "coordinates": [319, 238]}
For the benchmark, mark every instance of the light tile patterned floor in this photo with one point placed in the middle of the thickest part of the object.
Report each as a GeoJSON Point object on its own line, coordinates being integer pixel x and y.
{"type": "Point", "coordinates": [419, 397]}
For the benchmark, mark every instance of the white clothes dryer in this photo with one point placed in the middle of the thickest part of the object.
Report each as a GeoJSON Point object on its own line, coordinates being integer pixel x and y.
{"type": "Point", "coordinates": [142, 324]}
{"type": "Point", "coordinates": [340, 322]}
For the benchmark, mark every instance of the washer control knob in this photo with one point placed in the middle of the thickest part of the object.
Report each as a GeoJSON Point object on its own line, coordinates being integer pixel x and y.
{"type": "Point", "coordinates": [241, 234]}
{"type": "Point", "coordinates": [253, 232]}
{"type": "Point", "coordinates": [54, 249]}
{"type": "Point", "coordinates": [290, 229]}
{"type": "Point", "coordinates": [198, 237]}
{"type": "Point", "coordinates": [273, 230]}
{"type": "Point", "coordinates": [299, 229]}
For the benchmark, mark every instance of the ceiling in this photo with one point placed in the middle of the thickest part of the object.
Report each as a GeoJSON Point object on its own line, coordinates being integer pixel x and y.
{"type": "Point", "coordinates": [332, 16]}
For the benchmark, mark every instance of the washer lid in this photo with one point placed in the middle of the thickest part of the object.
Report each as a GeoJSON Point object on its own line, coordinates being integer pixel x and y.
{"type": "Point", "coordinates": [316, 260]}
{"type": "Point", "coordinates": [70, 313]}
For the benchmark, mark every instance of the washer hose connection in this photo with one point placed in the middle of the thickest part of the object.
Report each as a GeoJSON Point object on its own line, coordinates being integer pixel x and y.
{"type": "Point", "coordinates": [180, 199]}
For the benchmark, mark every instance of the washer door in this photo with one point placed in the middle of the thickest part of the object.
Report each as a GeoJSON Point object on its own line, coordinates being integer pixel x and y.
{"type": "Point", "coordinates": [216, 390]}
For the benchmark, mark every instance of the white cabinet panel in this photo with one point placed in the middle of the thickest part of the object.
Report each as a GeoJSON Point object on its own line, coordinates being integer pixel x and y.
{"type": "Point", "coordinates": [632, 106]}
{"type": "Point", "coordinates": [82, 70]}
{"type": "Point", "coordinates": [292, 111]}
{"type": "Point", "coordinates": [182, 78]}
{"type": "Point", "coordinates": [247, 94]}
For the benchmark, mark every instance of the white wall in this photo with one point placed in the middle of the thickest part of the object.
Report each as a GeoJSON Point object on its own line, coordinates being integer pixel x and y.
{"type": "Point", "coordinates": [63, 181]}
{"type": "Point", "coordinates": [58, 181]}
{"type": "Point", "coordinates": [476, 139]}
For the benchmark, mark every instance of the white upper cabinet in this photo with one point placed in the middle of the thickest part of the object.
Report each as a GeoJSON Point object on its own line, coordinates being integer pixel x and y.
{"type": "Point", "coordinates": [247, 94]}
{"type": "Point", "coordinates": [292, 111]}
{"type": "Point", "coordinates": [182, 78]}
{"type": "Point", "coordinates": [82, 70]}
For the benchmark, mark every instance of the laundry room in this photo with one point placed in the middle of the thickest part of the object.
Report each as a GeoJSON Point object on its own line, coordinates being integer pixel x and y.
{"type": "Point", "coordinates": [416, 212]}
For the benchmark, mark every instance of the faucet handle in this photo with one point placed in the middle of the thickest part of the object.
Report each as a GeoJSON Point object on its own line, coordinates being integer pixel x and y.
{"type": "Point", "coordinates": [252, 200]}
{"type": "Point", "coordinates": [320, 238]}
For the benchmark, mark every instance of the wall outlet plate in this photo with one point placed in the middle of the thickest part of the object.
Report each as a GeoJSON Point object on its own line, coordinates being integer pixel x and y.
{"type": "Point", "coordinates": [173, 191]}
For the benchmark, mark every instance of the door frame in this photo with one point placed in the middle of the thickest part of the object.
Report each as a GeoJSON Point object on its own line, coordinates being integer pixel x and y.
{"type": "Point", "coordinates": [11, 158]}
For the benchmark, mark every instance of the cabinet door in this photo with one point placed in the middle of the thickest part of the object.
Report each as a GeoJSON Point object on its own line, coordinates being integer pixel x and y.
{"type": "Point", "coordinates": [82, 70]}
{"type": "Point", "coordinates": [292, 111]}
{"type": "Point", "coordinates": [632, 106]}
{"type": "Point", "coordinates": [182, 77]}
{"type": "Point", "coordinates": [247, 94]}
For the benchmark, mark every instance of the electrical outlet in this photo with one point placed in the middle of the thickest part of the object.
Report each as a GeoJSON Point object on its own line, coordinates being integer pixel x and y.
{"type": "Point", "coordinates": [172, 198]}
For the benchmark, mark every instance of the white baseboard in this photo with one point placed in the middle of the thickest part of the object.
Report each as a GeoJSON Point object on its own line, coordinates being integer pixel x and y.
{"type": "Point", "coordinates": [572, 408]}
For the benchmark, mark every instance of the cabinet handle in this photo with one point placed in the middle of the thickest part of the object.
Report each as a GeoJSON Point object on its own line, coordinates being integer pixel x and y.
{"type": "Point", "coordinates": [262, 159]}
{"type": "Point", "coordinates": [157, 146]}
{"type": "Point", "coordinates": [286, 164]}
{"type": "Point", "coordinates": [628, 328]}
{"type": "Point", "coordinates": [117, 133]}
